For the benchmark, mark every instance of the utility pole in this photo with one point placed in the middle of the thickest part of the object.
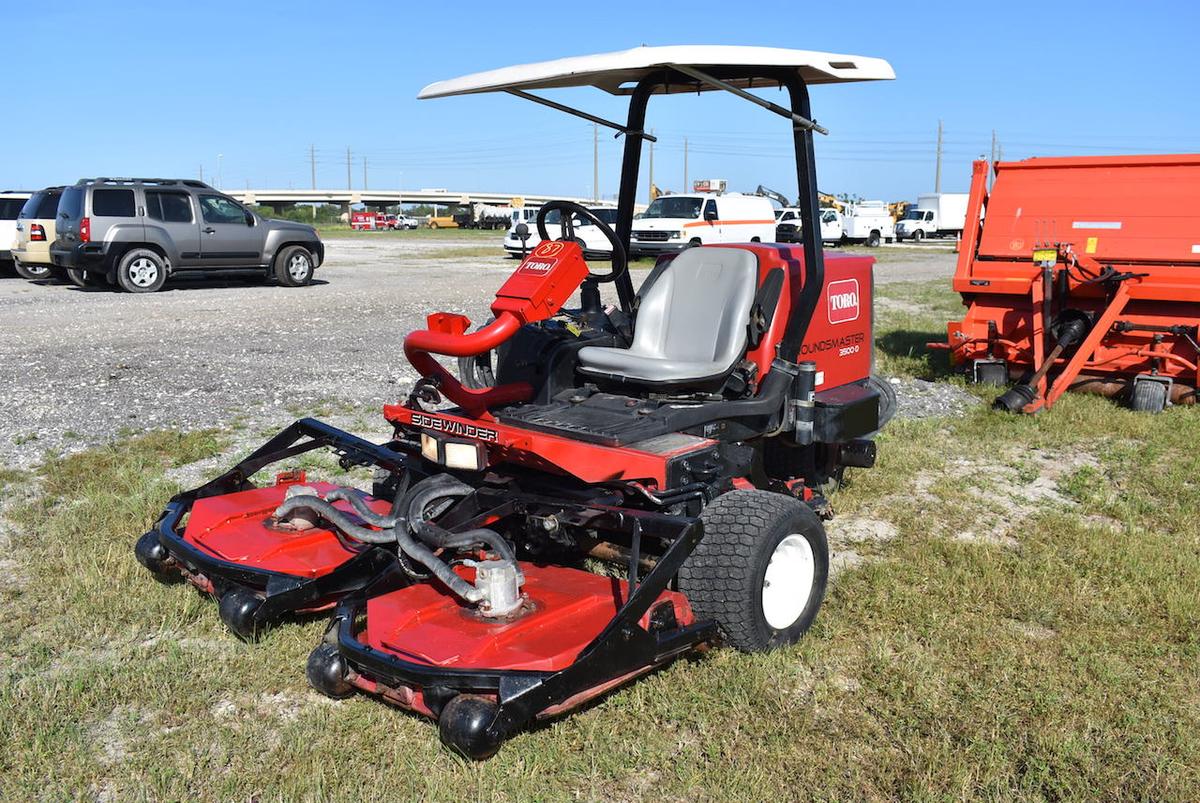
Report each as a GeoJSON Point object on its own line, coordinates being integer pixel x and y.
{"type": "Point", "coordinates": [595, 162]}
{"type": "Point", "coordinates": [220, 156]}
{"type": "Point", "coordinates": [312, 164]}
{"type": "Point", "coordinates": [991, 162]}
{"type": "Point", "coordinates": [349, 183]}
{"type": "Point", "coordinates": [685, 170]}
{"type": "Point", "coordinates": [650, 192]}
{"type": "Point", "coordinates": [364, 172]}
{"type": "Point", "coordinates": [202, 172]}
{"type": "Point", "coordinates": [937, 177]}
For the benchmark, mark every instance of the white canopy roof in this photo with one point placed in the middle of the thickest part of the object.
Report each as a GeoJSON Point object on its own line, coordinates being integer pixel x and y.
{"type": "Point", "coordinates": [618, 72]}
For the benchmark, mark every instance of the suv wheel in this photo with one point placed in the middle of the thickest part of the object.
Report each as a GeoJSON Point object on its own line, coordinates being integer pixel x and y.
{"type": "Point", "coordinates": [31, 271]}
{"type": "Point", "coordinates": [294, 266]}
{"type": "Point", "coordinates": [141, 271]}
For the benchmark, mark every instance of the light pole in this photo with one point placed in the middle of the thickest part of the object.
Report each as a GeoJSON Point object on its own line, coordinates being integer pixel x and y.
{"type": "Point", "coordinates": [220, 156]}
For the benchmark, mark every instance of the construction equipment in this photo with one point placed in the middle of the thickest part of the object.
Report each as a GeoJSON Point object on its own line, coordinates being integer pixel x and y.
{"type": "Point", "coordinates": [688, 456]}
{"type": "Point", "coordinates": [778, 197]}
{"type": "Point", "coordinates": [1084, 274]}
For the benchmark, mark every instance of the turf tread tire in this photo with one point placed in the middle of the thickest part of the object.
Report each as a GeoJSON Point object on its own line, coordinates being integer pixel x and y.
{"type": "Point", "coordinates": [723, 576]}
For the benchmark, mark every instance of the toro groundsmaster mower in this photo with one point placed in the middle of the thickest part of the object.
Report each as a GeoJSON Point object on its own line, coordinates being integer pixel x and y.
{"type": "Point", "coordinates": [606, 486]}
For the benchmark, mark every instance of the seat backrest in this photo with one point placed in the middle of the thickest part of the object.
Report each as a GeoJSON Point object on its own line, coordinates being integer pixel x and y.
{"type": "Point", "coordinates": [698, 308]}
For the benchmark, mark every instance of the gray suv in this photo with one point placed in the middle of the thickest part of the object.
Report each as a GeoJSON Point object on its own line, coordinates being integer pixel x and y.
{"type": "Point", "coordinates": [135, 232]}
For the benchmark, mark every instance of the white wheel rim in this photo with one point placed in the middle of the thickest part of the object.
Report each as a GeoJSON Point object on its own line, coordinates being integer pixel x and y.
{"type": "Point", "coordinates": [788, 582]}
{"type": "Point", "coordinates": [143, 272]}
{"type": "Point", "coordinates": [298, 266]}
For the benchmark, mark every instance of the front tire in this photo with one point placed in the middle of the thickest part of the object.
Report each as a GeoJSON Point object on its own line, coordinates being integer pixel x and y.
{"type": "Point", "coordinates": [918, 236]}
{"type": "Point", "coordinates": [294, 266]}
{"type": "Point", "coordinates": [142, 271]}
{"type": "Point", "coordinates": [760, 570]}
{"type": "Point", "coordinates": [31, 271]}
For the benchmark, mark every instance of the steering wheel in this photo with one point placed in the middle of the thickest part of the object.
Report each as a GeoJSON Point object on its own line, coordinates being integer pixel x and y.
{"type": "Point", "coordinates": [567, 210]}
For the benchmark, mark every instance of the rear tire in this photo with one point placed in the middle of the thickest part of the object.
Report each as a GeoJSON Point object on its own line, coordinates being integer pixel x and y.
{"type": "Point", "coordinates": [760, 570]}
{"type": "Point", "coordinates": [874, 239]}
{"type": "Point", "coordinates": [142, 271]}
{"type": "Point", "coordinates": [1148, 396]}
{"type": "Point", "coordinates": [31, 271]}
{"type": "Point", "coordinates": [84, 279]}
{"type": "Point", "coordinates": [294, 266]}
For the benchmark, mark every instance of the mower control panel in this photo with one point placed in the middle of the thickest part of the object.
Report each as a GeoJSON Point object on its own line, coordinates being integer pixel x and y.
{"type": "Point", "coordinates": [543, 283]}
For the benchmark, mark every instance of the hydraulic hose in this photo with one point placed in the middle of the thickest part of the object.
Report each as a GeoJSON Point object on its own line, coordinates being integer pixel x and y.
{"type": "Point", "coordinates": [335, 517]}
{"type": "Point", "coordinates": [361, 507]}
{"type": "Point", "coordinates": [438, 487]}
{"type": "Point", "coordinates": [442, 571]}
{"type": "Point", "coordinates": [417, 551]}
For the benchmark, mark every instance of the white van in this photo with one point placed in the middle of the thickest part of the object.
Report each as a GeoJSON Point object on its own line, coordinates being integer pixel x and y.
{"type": "Point", "coordinates": [674, 222]}
{"type": "Point", "coordinates": [595, 244]}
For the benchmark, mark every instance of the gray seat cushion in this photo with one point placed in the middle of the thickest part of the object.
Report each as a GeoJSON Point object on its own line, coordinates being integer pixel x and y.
{"type": "Point", "coordinates": [691, 324]}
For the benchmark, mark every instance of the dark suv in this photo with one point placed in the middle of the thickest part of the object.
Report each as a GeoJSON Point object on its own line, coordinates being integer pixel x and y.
{"type": "Point", "coordinates": [135, 232]}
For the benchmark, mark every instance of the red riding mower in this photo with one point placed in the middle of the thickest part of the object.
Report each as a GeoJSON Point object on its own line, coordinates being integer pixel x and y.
{"type": "Point", "coordinates": [678, 437]}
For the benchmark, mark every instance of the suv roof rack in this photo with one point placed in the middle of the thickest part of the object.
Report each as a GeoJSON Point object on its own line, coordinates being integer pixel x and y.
{"type": "Point", "coordinates": [187, 182]}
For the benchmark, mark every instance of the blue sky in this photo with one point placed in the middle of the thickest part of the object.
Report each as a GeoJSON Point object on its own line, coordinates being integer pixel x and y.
{"type": "Point", "coordinates": [162, 88]}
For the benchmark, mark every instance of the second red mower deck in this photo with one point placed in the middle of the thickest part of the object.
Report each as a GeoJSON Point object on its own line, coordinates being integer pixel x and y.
{"type": "Point", "coordinates": [565, 610]}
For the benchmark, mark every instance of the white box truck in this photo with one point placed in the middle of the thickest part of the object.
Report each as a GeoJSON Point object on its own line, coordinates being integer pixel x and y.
{"type": "Point", "coordinates": [939, 214]}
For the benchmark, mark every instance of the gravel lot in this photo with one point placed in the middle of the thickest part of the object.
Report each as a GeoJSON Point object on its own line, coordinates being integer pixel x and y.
{"type": "Point", "coordinates": [83, 366]}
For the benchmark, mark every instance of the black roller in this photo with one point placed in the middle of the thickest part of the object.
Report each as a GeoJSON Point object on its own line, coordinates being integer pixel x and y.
{"type": "Point", "coordinates": [466, 727]}
{"type": "Point", "coordinates": [152, 554]}
{"type": "Point", "coordinates": [326, 672]}
{"type": "Point", "coordinates": [239, 610]}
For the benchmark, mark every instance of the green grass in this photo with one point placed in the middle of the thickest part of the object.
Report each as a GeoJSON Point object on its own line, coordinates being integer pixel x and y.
{"type": "Point", "coordinates": [1058, 660]}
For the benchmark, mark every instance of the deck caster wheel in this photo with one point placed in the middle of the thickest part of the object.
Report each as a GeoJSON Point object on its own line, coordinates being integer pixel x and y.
{"type": "Point", "coordinates": [153, 555]}
{"type": "Point", "coordinates": [238, 609]}
{"type": "Point", "coordinates": [991, 372]}
{"type": "Point", "coordinates": [1149, 395]}
{"type": "Point", "coordinates": [326, 672]}
{"type": "Point", "coordinates": [465, 727]}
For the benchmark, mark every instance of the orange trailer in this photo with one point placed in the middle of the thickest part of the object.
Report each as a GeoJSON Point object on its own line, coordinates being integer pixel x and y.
{"type": "Point", "coordinates": [1082, 273]}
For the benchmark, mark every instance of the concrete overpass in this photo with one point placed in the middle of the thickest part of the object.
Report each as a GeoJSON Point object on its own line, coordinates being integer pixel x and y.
{"type": "Point", "coordinates": [379, 199]}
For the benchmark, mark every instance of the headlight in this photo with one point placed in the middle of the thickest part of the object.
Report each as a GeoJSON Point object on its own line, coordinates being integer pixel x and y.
{"type": "Point", "coordinates": [466, 456]}
{"type": "Point", "coordinates": [463, 455]}
{"type": "Point", "coordinates": [429, 447]}
{"type": "Point", "coordinates": [674, 235]}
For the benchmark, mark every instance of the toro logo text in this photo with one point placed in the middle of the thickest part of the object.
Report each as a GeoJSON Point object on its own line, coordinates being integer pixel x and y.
{"type": "Point", "coordinates": [843, 301]}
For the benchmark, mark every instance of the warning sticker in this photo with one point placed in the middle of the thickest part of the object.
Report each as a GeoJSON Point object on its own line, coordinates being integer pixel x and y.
{"type": "Point", "coordinates": [1091, 244]}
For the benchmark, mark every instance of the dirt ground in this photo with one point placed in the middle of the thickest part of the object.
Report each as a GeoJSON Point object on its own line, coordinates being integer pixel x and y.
{"type": "Point", "coordinates": [83, 366]}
